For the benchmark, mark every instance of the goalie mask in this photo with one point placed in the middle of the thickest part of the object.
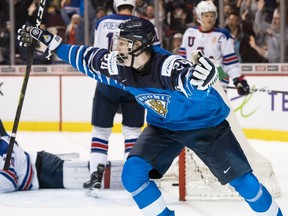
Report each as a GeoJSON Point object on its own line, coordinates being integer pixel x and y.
{"type": "Point", "coordinates": [134, 36]}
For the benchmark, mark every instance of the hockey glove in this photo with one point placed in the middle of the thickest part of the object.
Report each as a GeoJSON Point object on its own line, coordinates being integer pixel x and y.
{"type": "Point", "coordinates": [205, 73]}
{"type": "Point", "coordinates": [28, 33]}
{"type": "Point", "coordinates": [241, 85]}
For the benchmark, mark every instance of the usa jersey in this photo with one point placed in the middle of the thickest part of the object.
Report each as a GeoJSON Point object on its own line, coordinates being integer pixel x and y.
{"type": "Point", "coordinates": [162, 91]}
{"type": "Point", "coordinates": [21, 174]}
{"type": "Point", "coordinates": [216, 44]}
{"type": "Point", "coordinates": [107, 26]}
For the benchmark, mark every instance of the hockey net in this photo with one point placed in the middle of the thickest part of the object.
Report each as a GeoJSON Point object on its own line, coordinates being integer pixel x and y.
{"type": "Point", "coordinates": [196, 182]}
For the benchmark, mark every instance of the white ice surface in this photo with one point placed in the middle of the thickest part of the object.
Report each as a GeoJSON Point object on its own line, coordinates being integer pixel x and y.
{"type": "Point", "coordinates": [61, 202]}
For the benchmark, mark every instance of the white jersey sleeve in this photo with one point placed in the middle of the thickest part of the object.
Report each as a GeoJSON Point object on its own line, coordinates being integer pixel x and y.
{"type": "Point", "coordinates": [21, 174]}
{"type": "Point", "coordinates": [8, 179]}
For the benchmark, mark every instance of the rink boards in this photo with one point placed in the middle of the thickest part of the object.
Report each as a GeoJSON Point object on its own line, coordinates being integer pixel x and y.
{"type": "Point", "coordinates": [58, 98]}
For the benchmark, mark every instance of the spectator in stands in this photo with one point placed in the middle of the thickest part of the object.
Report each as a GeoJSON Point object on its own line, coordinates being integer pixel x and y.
{"type": "Point", "coordinates": [71, 29]}
{"type": "Point", "coordinates": [149, 13]}
{"type": "Point", "coordinates": [99, 13]}
{"type": "Point", "coordinates": [140, 9]}
{"type": "Point", "coordinates": [178, 22]}
{"type": "Point", "coordinates": [271, 50]}
{"type": "Point", "coordinates": [227, 12]}
{"type": "Point", "coordinates": [248, 53]}
{"type": "Point", "coordinates": [21, 12]}
{"type": "Point", "coordinates": [32, 14]}
{"type": "Point", "coordinates": [107, 4]}
{"type": "Point", "coordinates": [176, 42]}
{"type": "Point", "coordinates": [4, 12]}
{"type": "Point", "coordinates": [286, 34]}
{"type": "Point", "coordinates": [269, 8]}
{"type": "Point", "coordinates": [73, 7]}
{"type": "Point", "coordinates": [4, 45]}
{"type": "Point", "coordinates": [233, 26]}
{"type": "Point", "coordinates": [248, 6]}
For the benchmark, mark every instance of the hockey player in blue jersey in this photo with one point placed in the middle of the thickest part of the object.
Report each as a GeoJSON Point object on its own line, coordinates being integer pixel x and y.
{"type": "Point", "coordinates": [183, 110]}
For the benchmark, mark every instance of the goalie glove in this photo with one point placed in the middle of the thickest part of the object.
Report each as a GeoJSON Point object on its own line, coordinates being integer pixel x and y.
{"type": "Point", "coordinates": [205, 73]}
{"type": "Point", "coordinates": [28, 33]}
{"type": "Point", "coordinates": [241, 85]}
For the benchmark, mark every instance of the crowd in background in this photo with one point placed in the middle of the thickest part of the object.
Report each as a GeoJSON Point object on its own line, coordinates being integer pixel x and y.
{"type": "Point", "coordinates": [253, 24]}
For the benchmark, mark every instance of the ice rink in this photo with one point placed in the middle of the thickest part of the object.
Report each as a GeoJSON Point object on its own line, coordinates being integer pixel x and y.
{"type": "Point", "coordinates": [118, 202]}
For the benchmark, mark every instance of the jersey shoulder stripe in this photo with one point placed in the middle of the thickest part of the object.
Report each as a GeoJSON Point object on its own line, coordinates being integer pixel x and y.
{"type": "Point", "coordinates": [224, 32]}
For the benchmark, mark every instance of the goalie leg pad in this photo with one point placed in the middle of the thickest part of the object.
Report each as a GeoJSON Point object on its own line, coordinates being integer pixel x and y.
{"type": "Point", "coordinates": [75, 173]}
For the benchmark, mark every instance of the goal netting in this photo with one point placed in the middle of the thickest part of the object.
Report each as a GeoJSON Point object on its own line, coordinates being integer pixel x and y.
{"type": "Point", "coordinates": [196, 182]}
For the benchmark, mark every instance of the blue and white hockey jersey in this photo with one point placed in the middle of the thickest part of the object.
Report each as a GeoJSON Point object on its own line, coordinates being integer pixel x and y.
{"type": "Point", "coordinates": [22, 173]}
{"type": "Point", "coordinates": [162, 91]}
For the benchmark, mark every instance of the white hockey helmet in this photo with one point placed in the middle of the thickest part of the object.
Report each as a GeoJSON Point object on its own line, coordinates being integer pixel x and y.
{"type": "Point", "coordinates": [204, 7]}
{"type": "Point", "coordinates": [118, 3]}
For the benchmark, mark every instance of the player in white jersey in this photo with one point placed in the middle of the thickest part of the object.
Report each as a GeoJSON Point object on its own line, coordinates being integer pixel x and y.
{"type": "Point", "coordinates": [31, 171]}
{"type": "Point", "coordinates": [108, 99]}
{"type": "Point", "coordinates": [216, 43]}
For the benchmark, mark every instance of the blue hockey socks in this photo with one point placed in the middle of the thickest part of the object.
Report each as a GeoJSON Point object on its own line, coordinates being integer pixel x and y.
{"type": "Point", "coordinates": [135, 178]}
{"type": "Point", "coordinates": [256, 195]}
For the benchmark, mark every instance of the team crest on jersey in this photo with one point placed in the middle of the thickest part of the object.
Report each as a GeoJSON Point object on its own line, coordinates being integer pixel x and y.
{"type": "Point", "coordinates": [214, 40]}
{"type": "Point", "coordinates": [47, 38]}
{"type": "Point", "coordinates": [157, 102]}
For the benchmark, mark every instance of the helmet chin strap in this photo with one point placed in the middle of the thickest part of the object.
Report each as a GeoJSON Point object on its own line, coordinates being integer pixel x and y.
{"type": "Point", "coordinates": [134, 54]}
{"type": "Point", "coordinates": [132, 60]}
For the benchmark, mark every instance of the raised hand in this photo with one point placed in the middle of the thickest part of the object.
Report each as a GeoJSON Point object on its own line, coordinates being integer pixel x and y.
{"type": "Point", "coordinates": [204, 75]}
{"type": "Point", "coordinates": [28, 33]}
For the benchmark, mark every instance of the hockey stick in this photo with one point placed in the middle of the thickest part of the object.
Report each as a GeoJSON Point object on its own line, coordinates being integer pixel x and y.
{"type": "Point", "coordinates": [222, 75]}
{"type": "Point", "coordinates": [261, 90]}
{"type": "Point", "coordinates": [23, 89]}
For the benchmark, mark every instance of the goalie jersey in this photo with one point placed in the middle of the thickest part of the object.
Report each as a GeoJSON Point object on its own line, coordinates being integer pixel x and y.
{"type": "Point", "coordinates": [161, 91]}
{"type": "Point", "coordinates": [21, 174]}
